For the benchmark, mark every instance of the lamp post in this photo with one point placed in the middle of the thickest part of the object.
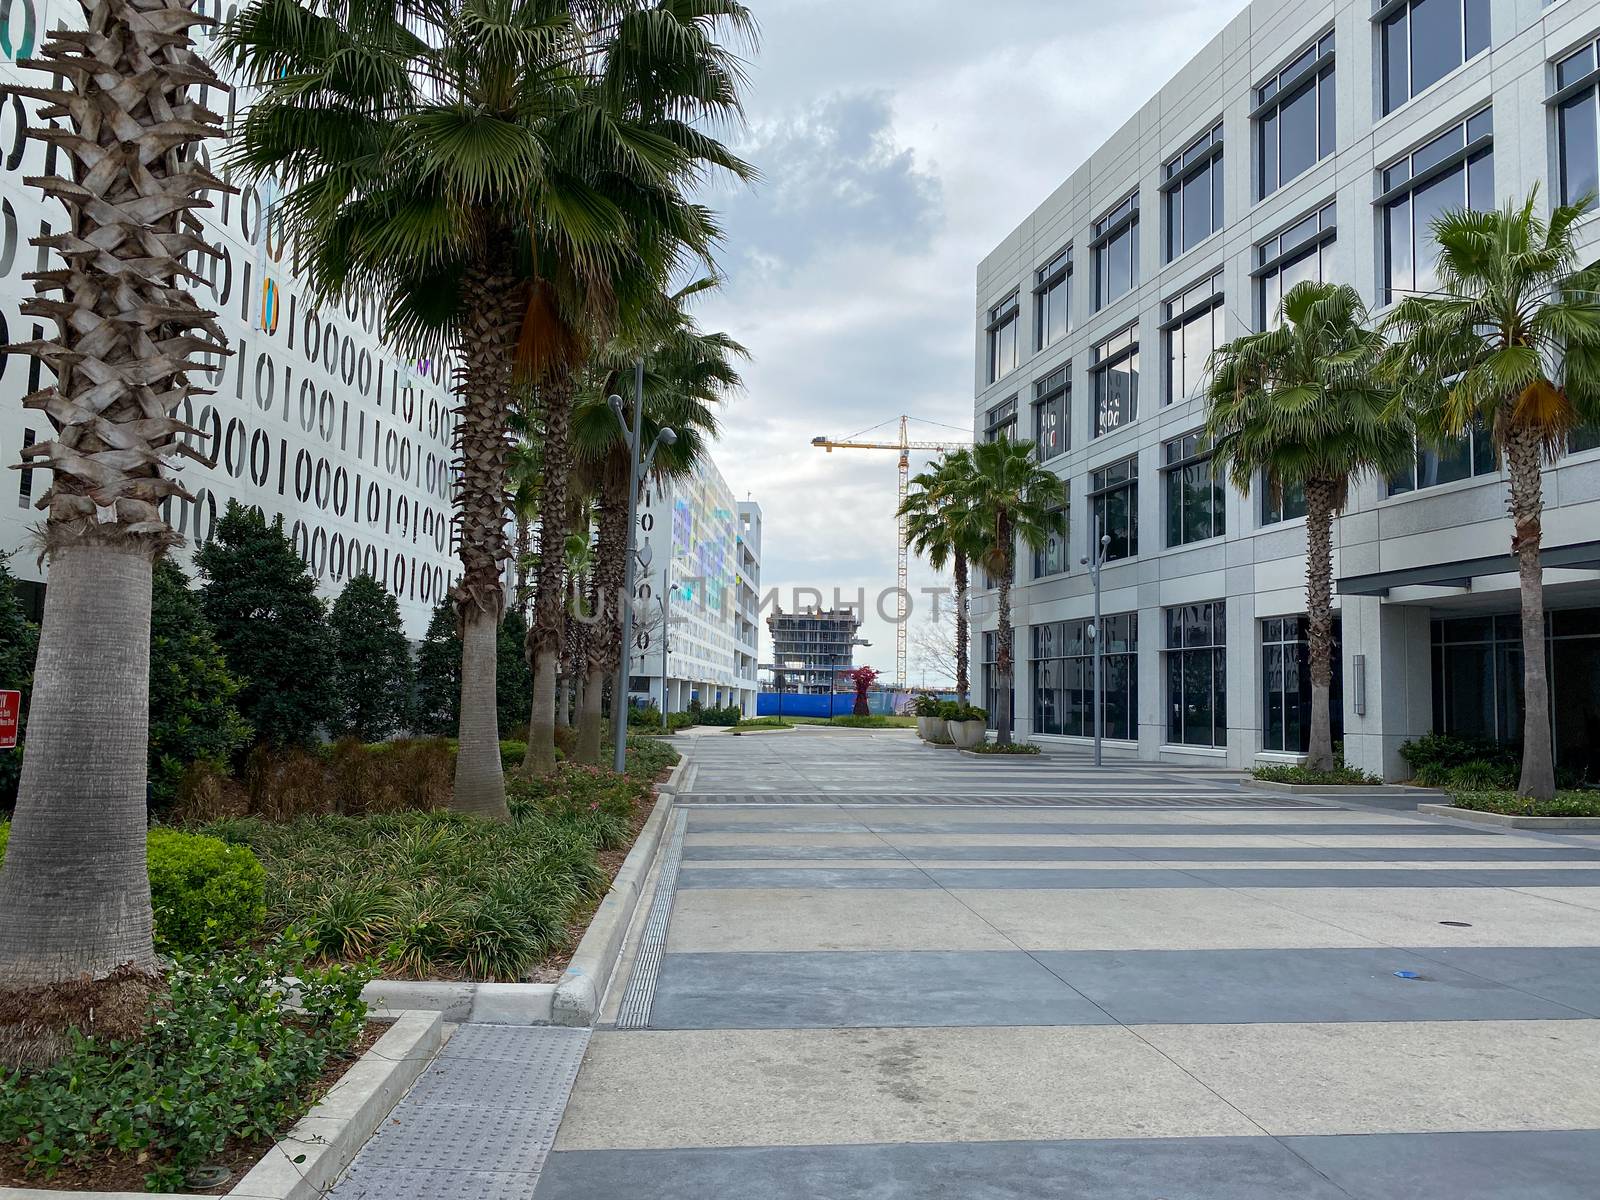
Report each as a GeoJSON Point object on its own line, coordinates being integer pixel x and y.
{"type": "Point", "coordinates": [666, 603]}
{"type": "Point", "coordinates": [1094, 632]}
{"type": "Point", "coordinates": [636, 471]}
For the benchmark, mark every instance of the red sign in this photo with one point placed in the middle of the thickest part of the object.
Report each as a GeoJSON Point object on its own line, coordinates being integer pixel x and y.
{"type": "Point", "coordinates": [10, 718]}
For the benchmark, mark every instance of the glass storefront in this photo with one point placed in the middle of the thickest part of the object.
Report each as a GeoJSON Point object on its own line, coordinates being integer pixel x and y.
{"type": "Point", "coordinates": [1062, 654]}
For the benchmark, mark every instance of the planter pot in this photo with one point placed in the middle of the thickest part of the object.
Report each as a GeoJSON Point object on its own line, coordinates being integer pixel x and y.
{"type": "Point", "coordinates": [929, 728]}
{"type": "Point", "coordinates": [967, 734]}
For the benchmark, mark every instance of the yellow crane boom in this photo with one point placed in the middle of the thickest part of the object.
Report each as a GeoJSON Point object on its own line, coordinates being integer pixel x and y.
{"type": "Point", "coordinates": [903, 447]}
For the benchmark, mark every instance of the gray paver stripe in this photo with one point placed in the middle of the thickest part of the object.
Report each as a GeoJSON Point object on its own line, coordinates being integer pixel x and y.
{"type": "Point", "coordinates": [832, 989]}
{"type": "Point", "coordinates": [1419, 1166]}
{"type": "Point", "coordinates": [1066, 878]}
{"type": "Point", "coordinates": [903, 850]}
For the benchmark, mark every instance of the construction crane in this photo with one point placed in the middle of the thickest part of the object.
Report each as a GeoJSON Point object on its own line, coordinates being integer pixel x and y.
{"type": "Point", "coordinates": [903, 447]}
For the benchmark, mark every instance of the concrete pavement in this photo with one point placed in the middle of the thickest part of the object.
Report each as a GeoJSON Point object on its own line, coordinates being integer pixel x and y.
{"type": "Point", "coordinates": [891, 973]}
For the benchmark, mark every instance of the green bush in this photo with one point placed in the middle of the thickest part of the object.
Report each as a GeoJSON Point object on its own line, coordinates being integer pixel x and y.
{"type": "Point", "coordinates": [1432, 756]}
{"type": "Point", "coordinates": [1013, 748]}
{"type": "Point", "coordinates": [644, 716]}
{"type": "Point", "coordinates": [225, 1058]}
{"type": "Point", "coordinates": [721, 717]}
{"type": "Point", "coordinates": [968, 712]}
{"type": "Point", "coordinates": [680, 720]}
{"type": "Point", "coordinates": [1340, 776]}
{"type": "Point", "coordinates": [925, 705]}
{"type": "Point", "coordinates": [764, 723]}
{"type": "Point", "coordinates": [1481, 776]}
{"type": "Point", "coordinates": [949, 710]}
{"type": "Point", "coordinates": [372, 682]}
{"type": "Point", "coordinates": [512, 754]}
{"type": "Point", "coordinates": [1565, 804]}
{"type": "Point", "coordinates": [205, 893]}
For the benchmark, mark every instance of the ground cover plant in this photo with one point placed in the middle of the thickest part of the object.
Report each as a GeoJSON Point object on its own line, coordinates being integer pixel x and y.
{"type": "Point", "coordinates": [1506, 801]}
{"type": "Point", "coordinates": [223, 1059]}
{"type": "Point", "coordinates": [1013, 748]}
{"type": "Point", "coordinates": [1339, 776]}
{"type": "Point", "coordinates": [763, 723]}
{"type": "Point", "coordinates": [850, 721]}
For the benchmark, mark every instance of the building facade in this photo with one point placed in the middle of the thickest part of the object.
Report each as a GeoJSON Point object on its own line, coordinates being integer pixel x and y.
{"type": "Point", "coordinates": [312, 418]}
{"type": "Point", "coordinates": [823, 641]}
{"type": "Point", "coordinates": [694, 600]}
{"type": "Point", "coordinates": [1306, 141]}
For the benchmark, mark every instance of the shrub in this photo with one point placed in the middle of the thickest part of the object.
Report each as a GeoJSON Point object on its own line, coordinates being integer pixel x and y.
{"type": "Point", "coordinates": [1013, 748]}
{"type": "Point", "coordinates": [273, 630]}
{"type": "Point", "coordinates": [949, 710]}
{"type": "Point", "coordinates": [721, 717]}
{"type": "Point", "coordinates": [224, 1058]}
{"type": "Point", "coordinates": [1339, 776]}
{"type": "Point", "coordinates": [513, 681]}
{"type": "Point", "coordinates": [1565, 804]}
{"type": "Point", "coordinates": [763, 723]}
{"type": "Point", "coordinates": [205, 893]}
{"type": "Point", "coordinates": [680, 720]}
{"type": "Point", "coordinates": [1434, 754]}
{"type": "Point", "coordinates": [1481, 776]}
{"type": "Point", "coordinates": [968, 712]}
{"type": "Point", "coordinates": [372, 682]}
{"type": "Point", "coordinates": [194, 716]}
{"type": "Point", "coordinates": [644, 716]}
{"type": "Point", "coordinates": [438, 694]}
{"type": "Point", "coordinates": [925, 705]}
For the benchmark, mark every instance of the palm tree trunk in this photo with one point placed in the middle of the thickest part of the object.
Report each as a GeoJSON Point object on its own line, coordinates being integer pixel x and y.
{"type": "Point", "coordinates": [563, 699]}
{"type": "Point", "coordinates": [1003, 656]}
{"type": "Point", "coordinates": [1524, 456]}
{"type": "Point", "coordinates": [589, 718]}
{"type": "Point", "coordinates": [74, 889]}
{"type": "Point", "coordinates": [963, 631]}
{"type": "Point", "coordinates": [1319, 618]}
{"type": "Point", "coordinates": [488, 344]}
{"type": "Point", "coordinates": [521, 550]}
{"type": "Point", "coordinates": [603, 639]}
{"type": "Point", "coordinates": [546, 632]}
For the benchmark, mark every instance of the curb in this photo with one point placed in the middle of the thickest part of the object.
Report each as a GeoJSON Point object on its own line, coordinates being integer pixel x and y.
{"type": "Point", "coordinates": [1039, 757]}
{"type": "Point", "coordinates": [1332, 789]}
{"type": "Point", "coordinates": [1508, 821]}
{"type": "Point", "coordinates": [577, 997]}
{"type": "Point", "coordinates": [305, 1164]}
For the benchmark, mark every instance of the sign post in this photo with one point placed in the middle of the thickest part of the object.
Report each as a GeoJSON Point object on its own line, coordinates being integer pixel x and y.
{"type": "Point", "coordinates": [10, 719]}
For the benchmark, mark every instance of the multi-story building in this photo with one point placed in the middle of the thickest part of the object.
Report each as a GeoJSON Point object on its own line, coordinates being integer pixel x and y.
{"type": "Point", "coordinates": [313, 418]}
{"type": "Point", "coordinates": [1306, 141]}
{"type": "Point", "coordinates": [693, 600]}
{"type": "Point", "coordinates": [823, 641]}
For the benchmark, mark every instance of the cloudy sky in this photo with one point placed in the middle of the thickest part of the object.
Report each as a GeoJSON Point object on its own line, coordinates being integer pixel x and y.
{"type": "Point", "coordinates": [899, 141]}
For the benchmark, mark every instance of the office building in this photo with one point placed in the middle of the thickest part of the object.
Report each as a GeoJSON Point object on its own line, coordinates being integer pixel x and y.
{"type": "Point", "coordinates": [704, 556]}
{"type": "Point", "coordinates": [822, 641]}
{"type": "Point", "coordinates": [1306, 141]}
{"type": "Point", "coordinates": [313, 418]}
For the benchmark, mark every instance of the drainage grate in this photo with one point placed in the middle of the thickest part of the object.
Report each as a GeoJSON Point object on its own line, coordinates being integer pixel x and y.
{"type": "Point", "coordinates": [479, 1123]}
{"type": "Point", "coordinates": [636, 1001]}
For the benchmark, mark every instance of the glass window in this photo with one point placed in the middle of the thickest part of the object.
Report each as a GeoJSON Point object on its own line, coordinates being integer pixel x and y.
{"type": "Point", "coordinates": [1286, 686]}
{"type": "Point", "coordinates": [1192, 192]}
{"type": "Point", "coordinates": [1052, 299]}
{"type": "Point", "coordinates": [1424, 40]}
{"type": "Point", "coordinates": [1585, 437]}
{"type": "Point", "coordinates": [1279, 503]}
{"type": "Point", "coordinates": [1051, 398]}
{"type": "Point", "coordinates": [1051, 558]}
{"type": "Point", "coordinates": [1114, 497]}
{"type": "Point", "coordinates": [1302, 252]}
{"type": "Point", "coordinates": [1465, 457]}
{"type": "Point", "coordinates": [1003, 338]}
{"type": "Point", "coordinates": [1193, 330]}
{"type": "Point", "coordinates": [1062, 656]}
{"type": "Point", "coordinates": [1116, 252]}
{"type": "Point", "coordinates": [1195, 497]}
{"type": "Point", "coordinates": [1577, 125]}
{"type": "Point", "coordinates": [1294, 118]}
{"type": "Point", "coordinates": [1453, 171]}
{"type": "Point", "coordinates": [1197, 681]}
{"type": "Point", "coordinates": [1114, 370]}
{"type": "Point", "coordinates": [1001, 421]}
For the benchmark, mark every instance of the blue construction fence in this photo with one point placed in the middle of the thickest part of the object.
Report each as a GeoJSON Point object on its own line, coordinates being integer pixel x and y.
{"type": "Point", "coordinates": [840, 704]}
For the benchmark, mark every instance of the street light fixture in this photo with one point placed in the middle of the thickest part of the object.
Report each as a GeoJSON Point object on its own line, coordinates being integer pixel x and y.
{"type": "Point", "coordinates": [636, 471]}
{"type": "Point", "coordinates": [1094, 634]}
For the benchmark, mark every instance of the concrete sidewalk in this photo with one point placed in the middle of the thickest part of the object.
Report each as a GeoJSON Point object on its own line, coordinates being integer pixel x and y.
{"type": "Point", "coordinates": [893, 973]}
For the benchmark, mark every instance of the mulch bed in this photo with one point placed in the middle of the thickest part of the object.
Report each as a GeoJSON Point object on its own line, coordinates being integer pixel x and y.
{"type": "Point", "coordinates": [126, 1172]}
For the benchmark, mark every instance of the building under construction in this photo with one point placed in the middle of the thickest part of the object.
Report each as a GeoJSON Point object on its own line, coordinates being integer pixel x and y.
{"type": "Point", "coordinates": [823, 642]}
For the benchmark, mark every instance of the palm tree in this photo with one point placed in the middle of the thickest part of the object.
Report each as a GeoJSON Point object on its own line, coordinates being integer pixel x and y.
{"type": "Point", "coordinates": [941, 529]}
{"type": "Point", "coordinates": [74, 888]}
{"type": "Point", "coordinates": [1300, 407]}
{"type": "Point", "coordinates": [686, 373]}
{"type": "Point", "coordinates": [1510, 343]}
{"type": "Point", "coordinates": [1011, 498]}
{"type": "Point", "coordinates": [488, 166]}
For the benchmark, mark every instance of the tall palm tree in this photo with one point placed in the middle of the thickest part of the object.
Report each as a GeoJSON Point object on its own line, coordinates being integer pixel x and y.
{"type": "Point", "coordinates": [1511, 343]}
{"type": "Point", "coordinates": [941, 529]}
{"type": "Point", "coordinates": [1300, 407]}
{"type": "Point", "coordinates": [687, 372]}
{"type": "Point", "coordinates": [1011, 499]}
{"type": "Point", "coordinates": [488, 166]}
{"type": "Point", "coordinates": [74, 888]}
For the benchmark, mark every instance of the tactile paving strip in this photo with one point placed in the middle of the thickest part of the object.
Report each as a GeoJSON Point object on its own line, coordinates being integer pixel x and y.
{"type": "Point", "coordinates": [479, 1123]}
{"type": "Point", "coordinates": [636, 1001]}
